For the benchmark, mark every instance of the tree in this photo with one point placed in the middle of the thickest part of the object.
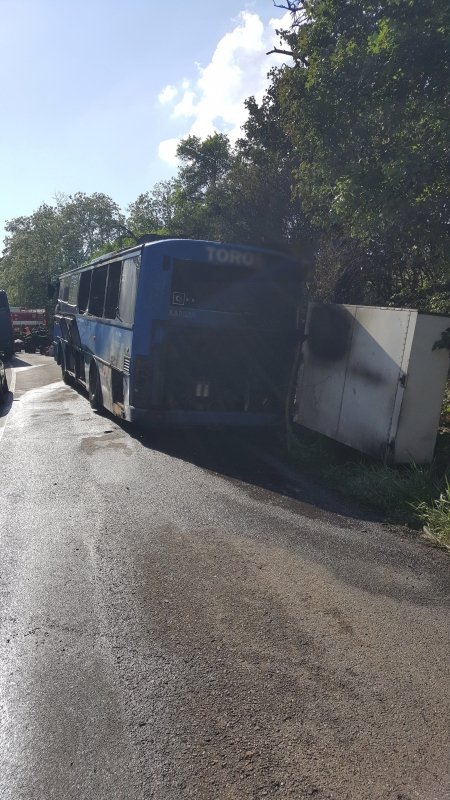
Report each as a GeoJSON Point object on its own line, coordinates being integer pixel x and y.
{"type": "Point", "coordinates": [365, 107]}
{"type": "Point", "coordinates": [32, 247]}
{"type": "Point", "coordinates": [258, 189]}
{"type": "Point", "coordinates": [54, 239]}
{"type": "Point", "coordinates": [203, 163]}
{"type": "Point", "coordinates": [197, 187]}
{"type": "Point", "coordinates": [88, 224]}
{"type": "Point", "coordinates": [153, 212]}
{"type": "Point", "coordinates": [242, 194]}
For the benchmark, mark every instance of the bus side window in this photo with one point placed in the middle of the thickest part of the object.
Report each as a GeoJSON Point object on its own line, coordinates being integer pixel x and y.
{"type": "Point", "coordinates": [98, 289]}
{"type": "Point", "coordinates": [112, 290]}
{"type": "Point", "coordinates": [73, 289]}
{"type": "Point", "coordinates": [63, 289]}
{"type": "Point", "coordinates": [83, 291]}
{"type": "Point", "coordinates": [128, 287]}
{"type": "Point", "coordinates": [3, 300]}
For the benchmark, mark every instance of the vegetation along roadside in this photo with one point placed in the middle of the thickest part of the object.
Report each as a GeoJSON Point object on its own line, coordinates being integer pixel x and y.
{"type": "Point", "coordinates": [418, 496]}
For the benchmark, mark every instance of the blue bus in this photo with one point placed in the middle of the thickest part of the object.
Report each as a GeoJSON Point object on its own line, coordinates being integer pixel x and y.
{"type": "Point", "coordinates": [177, 332]}
{"type": "Point", "coordinates": [6, 329]}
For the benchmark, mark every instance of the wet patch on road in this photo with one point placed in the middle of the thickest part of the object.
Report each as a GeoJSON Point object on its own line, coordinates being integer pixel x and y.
{"type": "Point", "coordinates": [58, 395]}
{"type": "Point", "coordinates": [107, 440]}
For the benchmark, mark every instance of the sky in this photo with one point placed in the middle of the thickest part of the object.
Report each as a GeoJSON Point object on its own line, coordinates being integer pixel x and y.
{"type": "Point", "coordinates": [95, 94]}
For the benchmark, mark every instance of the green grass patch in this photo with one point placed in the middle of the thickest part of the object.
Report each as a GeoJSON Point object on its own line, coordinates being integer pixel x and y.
{"type": "Point", "coordinates": [417, 496]}
{"type": "Point", "coordinates": [445, 415]}
{"type": "Point", "coordinates": [435, 517]}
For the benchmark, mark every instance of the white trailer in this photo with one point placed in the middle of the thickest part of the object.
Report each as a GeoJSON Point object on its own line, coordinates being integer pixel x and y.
{"type": "Point", "coordinates": [371, 379]}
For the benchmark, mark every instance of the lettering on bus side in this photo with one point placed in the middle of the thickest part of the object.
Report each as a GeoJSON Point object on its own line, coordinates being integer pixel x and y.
{"type": "Point", "coordinates": [240, 258]}
{"type": "Point", "coordinates": [178, 312]}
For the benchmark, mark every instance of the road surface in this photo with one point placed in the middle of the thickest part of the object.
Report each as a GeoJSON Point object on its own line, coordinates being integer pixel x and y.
{"type": "Point", "coordinates": [181, 619]}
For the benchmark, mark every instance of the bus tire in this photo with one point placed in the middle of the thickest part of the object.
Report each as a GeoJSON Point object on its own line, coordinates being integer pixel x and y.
{"type": "Point", "coordinates": [95, 389]}
{"type": "Point", "coordinates": [66, 376]}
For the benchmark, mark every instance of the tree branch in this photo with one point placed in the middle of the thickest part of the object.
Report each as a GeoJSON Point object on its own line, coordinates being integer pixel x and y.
{"type": "Point", "coordinates": [280, 52]}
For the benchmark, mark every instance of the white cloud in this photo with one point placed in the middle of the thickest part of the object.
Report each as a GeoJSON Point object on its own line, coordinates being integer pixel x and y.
{"type": "Point", "coordinates": [214, 101]}
{"type": "Point", "coordinates": [167, 151]}
{"type": "Point", "coordinates": [186, 106]}
{"type": "Point", "coordinates": [167, 94]}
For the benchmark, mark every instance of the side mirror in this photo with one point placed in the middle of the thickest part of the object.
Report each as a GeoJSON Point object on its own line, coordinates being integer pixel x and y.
{"type": "Point", "coordinates": [51, 290]}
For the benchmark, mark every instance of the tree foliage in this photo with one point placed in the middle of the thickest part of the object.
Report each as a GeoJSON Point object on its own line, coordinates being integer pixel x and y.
{"type": "Point", "coordinates": [54, 239]}
{"type": "Point", "coordinates": [366, 110]}
{"type": "Point", "coordinates": [346, 156]}
{"type": "Point", "coordinates": [197, 188]}
{"type": "Point", "coordinates": [153, 211]}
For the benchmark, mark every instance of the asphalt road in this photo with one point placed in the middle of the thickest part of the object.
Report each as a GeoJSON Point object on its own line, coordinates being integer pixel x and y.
{"type": "Point", "coordinates": [181, 618]}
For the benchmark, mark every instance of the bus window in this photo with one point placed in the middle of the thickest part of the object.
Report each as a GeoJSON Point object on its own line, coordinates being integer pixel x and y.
{"type": "Point", "coordinates": [214, 287]}
{"type": "Point", "coordinates": [98, 288]}
{"type": "Point", "coordinates": [112, 290]}
{"type": "Point", "coordinates": [83, 291]}
{"type": "Point", "coordinates": [64, 289]}
{"type": "Point", "coordinates": [127, 300]}
{"type": "Point", "coordinates": [73, 289]}
{"type": "Point", "coordinates": [3, 300]}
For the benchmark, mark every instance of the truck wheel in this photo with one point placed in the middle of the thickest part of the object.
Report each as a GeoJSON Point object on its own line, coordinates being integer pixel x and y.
{"type": "Point", "coordinates": [95, 389]}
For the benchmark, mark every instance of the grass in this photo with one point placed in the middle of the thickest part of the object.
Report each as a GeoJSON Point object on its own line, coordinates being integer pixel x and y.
{"type": "Point", "coordinates": [436, 517]}
{"type": "Point", "coordinates": [416, 496]}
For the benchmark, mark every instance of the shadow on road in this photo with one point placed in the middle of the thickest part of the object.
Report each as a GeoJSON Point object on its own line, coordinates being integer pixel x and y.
{"type": "Point", "coordinates": [18, 362]}
{"type": "Point", "coordinates": [372, 558]}
{"type": "Point", "coordinates": [255, 458]}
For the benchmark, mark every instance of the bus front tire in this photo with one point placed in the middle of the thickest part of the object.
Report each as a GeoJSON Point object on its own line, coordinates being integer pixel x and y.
{"type": "Point", "coordinates": [95, 389]}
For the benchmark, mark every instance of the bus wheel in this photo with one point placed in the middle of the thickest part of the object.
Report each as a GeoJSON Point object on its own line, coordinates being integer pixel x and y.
{"type": "Point", "coordinates": [95, 389]}
{"type": "Point", "coordinates": [66, 376]}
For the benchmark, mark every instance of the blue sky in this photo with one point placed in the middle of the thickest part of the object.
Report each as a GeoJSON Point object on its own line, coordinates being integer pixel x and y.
{"type": "Point", "coordinates": [95, 93]}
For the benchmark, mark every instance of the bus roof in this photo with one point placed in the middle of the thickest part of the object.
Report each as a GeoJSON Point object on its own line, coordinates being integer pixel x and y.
{"type": "Point", "coordinates": [154, 239]}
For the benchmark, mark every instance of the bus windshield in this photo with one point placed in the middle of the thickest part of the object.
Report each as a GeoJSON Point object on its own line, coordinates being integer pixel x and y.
{"type": "Point", "coordinates": [231, 288]}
